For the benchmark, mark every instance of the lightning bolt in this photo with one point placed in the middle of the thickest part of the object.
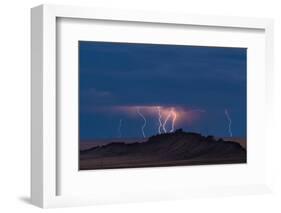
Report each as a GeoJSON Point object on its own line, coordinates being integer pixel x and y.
{"type": "Point", "coordinates": [166, 120]}
{"type": "Point", "coordinates": [159, 120]}
{"type": "Point", "coordinates": [229, 122]}
{"type": "Point", "coordinates": [144, 121]}
{"type": "Point", "coordinates": [119, 128]}
{"type": "Point", "coordinates": [174, 114]}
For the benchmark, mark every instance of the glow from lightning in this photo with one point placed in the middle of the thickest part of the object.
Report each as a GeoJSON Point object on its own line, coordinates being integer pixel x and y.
{"type": "Point", "coordinates": [119, 128]}
{"type": "Point", "coordinates": [144, 121]}
{"type": "Point", "coordinates": [167, 118]}
{"type": "Point", "coordinates": [159, 119]}
{"type": "Point", "coordinates": [229, 122]}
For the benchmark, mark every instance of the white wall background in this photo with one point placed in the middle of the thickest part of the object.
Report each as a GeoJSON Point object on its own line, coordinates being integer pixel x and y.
{"type": "Point", "coordinates": [15, 104]}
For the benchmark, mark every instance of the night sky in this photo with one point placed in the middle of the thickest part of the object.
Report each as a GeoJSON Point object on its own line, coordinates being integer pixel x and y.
{"type": "Point", "coordinates": [118, 80]}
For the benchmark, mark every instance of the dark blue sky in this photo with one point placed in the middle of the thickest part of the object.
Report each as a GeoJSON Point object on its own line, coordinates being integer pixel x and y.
{"type": "Point", "coordinates": [118, 76]}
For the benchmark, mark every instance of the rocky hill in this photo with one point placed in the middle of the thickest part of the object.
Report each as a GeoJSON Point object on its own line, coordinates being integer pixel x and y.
{"type": "Point", "coordinates": [170, 149]}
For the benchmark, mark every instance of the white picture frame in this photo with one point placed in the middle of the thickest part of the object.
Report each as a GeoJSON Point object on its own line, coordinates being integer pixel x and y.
{"type": "Point", "coordinates": [44, 149]}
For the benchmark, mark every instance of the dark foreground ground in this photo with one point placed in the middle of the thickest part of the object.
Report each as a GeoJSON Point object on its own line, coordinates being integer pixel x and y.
{"type": "Point", "coordinates": [171, 149]}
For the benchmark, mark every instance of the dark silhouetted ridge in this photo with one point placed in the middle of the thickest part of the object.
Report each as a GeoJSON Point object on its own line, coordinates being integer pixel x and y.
{"type": "Point", "coordinates": [168, 149]}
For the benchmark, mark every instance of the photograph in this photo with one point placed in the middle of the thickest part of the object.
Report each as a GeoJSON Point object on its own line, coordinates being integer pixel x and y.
{"type": "Point", "coordinates": [159, 105]}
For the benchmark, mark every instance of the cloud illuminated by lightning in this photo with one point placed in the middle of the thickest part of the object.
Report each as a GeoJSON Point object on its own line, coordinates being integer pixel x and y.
{"type": "Point", "coordinates": [144, 121]}
{"type": "Point", "coordinates": [168, 116]}
{"type": "Point", "coordinates": [229, 122]}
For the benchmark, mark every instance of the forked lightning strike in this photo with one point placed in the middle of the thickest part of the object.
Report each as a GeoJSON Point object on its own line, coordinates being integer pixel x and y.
{"type": "Point", "coordinates": [144, 121]}
{"type": "Point", "coordinates": [159, 120]}
{"type": "Point", "coordinates": [174, 114]}
{"type": "Point", "coordinates": [166, 120]}
{"type": "Point", "coordinates": [229, 122]}
{"type": "Point", "coordinates": [170, 117]}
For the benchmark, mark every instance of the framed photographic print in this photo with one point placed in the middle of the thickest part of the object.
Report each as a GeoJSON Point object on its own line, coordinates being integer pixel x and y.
{"type": "Point", "coordinates": [151, 105]}
{"type": "Point", "coordinates": [146, 105]}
